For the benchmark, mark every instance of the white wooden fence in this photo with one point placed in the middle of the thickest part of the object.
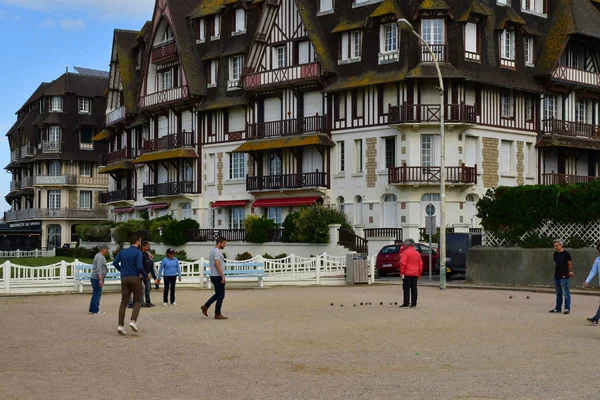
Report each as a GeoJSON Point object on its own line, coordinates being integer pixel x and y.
{"type": "Point", "coordinates": [28, 253]}
{"type": "Point", "coordinates": [323, 269]}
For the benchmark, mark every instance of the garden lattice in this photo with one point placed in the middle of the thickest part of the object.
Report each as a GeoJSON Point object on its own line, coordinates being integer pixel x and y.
{"type": "Point", "coordinates": [589, 233]}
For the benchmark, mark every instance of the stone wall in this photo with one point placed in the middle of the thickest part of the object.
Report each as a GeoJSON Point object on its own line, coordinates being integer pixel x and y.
{"type": "Point", "coordinates": [490, 162]}
{"type": "Point", "coordinates": [220, 173]}
{"type": "Point", "coordinates": [520, 164]}
{"type": "Point", "coordinates": [371, 165]}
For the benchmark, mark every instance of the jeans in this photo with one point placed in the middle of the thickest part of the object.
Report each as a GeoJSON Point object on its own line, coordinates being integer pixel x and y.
{"type": "Point", "coordinates": [409, 286]}
{"type": "Point", "coordinates": [147, 286]}
{"type": "Point", "coordinates": [169, 282]}
{"type": "Point", "coordinates": [562, 288]}
{"type": "Point", "coordinates": [129, 285]}
{"type": "Point", "coordinates": [96, 294]}
{"type": "Point", "coordinates": [597, 316]}
{"type": "Point", "coordinates": [218, 296]}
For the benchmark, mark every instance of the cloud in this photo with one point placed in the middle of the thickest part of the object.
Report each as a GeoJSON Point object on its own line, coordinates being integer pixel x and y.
{"type": "Point", "coordinates": [48, 23]}
{"type": "Point", "coordinates": [100, 9]}
{"type": "Point", "coordinates": [72, 24]}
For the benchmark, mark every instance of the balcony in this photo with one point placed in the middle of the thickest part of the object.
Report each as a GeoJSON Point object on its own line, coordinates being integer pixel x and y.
{"type": "Point", "coordinates": [560, 127]}
{"type": "Point", "coordinates": [15, 185]}
{"type": "Point", "coordinates": [286, 127]}
{"type": "Point", "coordinates": [577, 76]}
{"type": "Point", "coordinates": [165, 52]}
{"type": "Point", "coordinates": [164, 97]}
{"type": "Point", "coordinates": [507, 63]}
{"type": "Point", "coordinates": [119, 155]}
{"type": "Point", "coordinates": [430, 113]}
{"type": "Point", "coordinates": [169, 189]}
{"type": "Point", "coordinates": [564, 179]}
{"type": "Point", "coordinates": [55, 213]}
{"type": "Point", "coordinates": [27, 151]}
{"type": "Point", "coordinates": [431, 175]}
{"type": "Point", "coordinates": [472, 56]}
{"type": "Point", "coordinates": [117, 195]}
{"type": "Point", "coordinates": [51, 146]}
{"type": "Point", "coordinates": [55, 180]}
{"type": "Point", "coordinates": [283, 76]}
{"type": "Point", "coordinates": [440, 51]}
{"type": "Point", "coordinates": [209, 235]}
{"type": "Point", "coordinates": [27, 182]}
{"type": "Point", "coordinates": [114, 116]}
{"type": "Point", "coordinates": [15, 155]}
{"type": "Point", "coordinates": [172, 141]}
{"type": "Point", "coordinates": [287, 181]}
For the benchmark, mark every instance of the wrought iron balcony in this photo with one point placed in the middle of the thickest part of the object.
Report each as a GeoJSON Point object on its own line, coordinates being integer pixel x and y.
{"type": "Point", "coordinates": [565, 179]}
{"type": "Point", "coordinates": [119, 155]}
{"type": "Point", "coordinates": [15, 185]}
{"type": "Point", "coordinates": [430, 113]}
{"type": "Point", "coordinates": [15, 155]}
{"type": "Point", "coordinates": [431, 175]}
{"type": "Point", "coordinates": [287, 181]}
{"type": "Point", "coordinates": [169, 189]}
{"type": "Point", "coordinates": [27, 182]}
{"type": "Point", "coordinates": [56, 213]}
{"type": "Point", "coordinates": [578, 76]}
{"type": "Point", "coordinates": [286, 127]}
{"type": "Point", "coordinates": [164, 97]}
{"type": "Point", "coordinates": [283, 76]}
{"type": "Point", "coordinates": [55, 180]}
{"type": "Point", "coordinates": [172, 141]}
{"type": "Point", "coordinates": [27, 151]}
{"type": "Point", "coordinates": [117, 115]}
{"type": "Point", "coordinates": [440, 51]}
{"type": "Point", "coordinates": [209, 235]}
{"type": "Point", "coordinates": [560, 127]}
{"type": "Point", "coordinates": [164, 52]}
{"type": "Point", "coordinates": [51, 146]}
{"type": "Point", "coordinates": [117, 195]}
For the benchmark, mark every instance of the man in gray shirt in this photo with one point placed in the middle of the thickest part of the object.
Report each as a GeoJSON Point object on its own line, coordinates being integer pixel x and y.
{"type": "Point", "coordinates": [97, 278]}
{"type": "Point", "coordinates": [217, 277]}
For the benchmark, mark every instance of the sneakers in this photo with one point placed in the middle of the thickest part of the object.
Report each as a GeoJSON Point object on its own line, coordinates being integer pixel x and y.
{"type": "Point", "coordinates": [554, 310]}
{"type": "Point", "coordinates": [204, 310]}
{"type": "Point", "coordinates": [567, 311]}
{"type": "Point", "coordinates": [219, 316]}
{"type": "Point", "coordinates": [411, 306]}
{"type": "Point", "coordinates": [165, 304]}
{"type": "Point", "coordinates": [146, 305]}
{"type": "Point", "coordinates": [100, 312]}
{"type": "Point", "coordinates": [133, 326]}
{"type": "Point", "coordinates": [174, 303]}
{"type": "Point", "coordinates": [151, 304]}
{"type": "Point", "coordinates": [404, 306]}
{"type": "Point", "coordinates": [593, 321]}
{"type": "Point", "coordinates": [121, 331]}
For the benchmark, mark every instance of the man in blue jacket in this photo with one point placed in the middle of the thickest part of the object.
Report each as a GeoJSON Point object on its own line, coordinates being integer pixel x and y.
{"type": "Point", "coordinates": [129, 263]}
{"type": "Point", "coordinates": [595, 270]}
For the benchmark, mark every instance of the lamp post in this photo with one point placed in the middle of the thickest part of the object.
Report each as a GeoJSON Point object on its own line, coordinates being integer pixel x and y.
{"type": "Point", "coordinates": [407, 26]}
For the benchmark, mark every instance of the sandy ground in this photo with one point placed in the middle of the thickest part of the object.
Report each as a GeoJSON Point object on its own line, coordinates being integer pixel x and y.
{"type": "Point", "coordinates": [289, 343]}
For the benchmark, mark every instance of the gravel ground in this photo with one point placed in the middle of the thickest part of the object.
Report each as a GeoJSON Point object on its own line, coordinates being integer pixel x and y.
{"type": "Point", "coordinates": [289, 343]}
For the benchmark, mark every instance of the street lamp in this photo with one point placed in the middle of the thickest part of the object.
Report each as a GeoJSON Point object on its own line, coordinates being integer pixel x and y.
{"type": "Point", "coordinates": [407, 26]}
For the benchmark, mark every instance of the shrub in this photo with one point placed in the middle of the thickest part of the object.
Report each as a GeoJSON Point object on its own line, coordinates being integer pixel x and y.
{"type": "Point", "coordinates": [311, 224]}
{"type": "Point", "coordinates": [277, 257]}
{"type": "Point", "coordinates": [174, 231]}
{"type": "Point", "coordinates": [289, 227]}
{"type": "Point", "coordinates": [158, 224]}
{"type": "Point", "coordinates": [93, 233]}
{"type": "Point", "coordinates": [124, 230]}
{"type": "Point", "coordinates": [257, 228]}
{"type": "Point", "coordinates": [243, 256]}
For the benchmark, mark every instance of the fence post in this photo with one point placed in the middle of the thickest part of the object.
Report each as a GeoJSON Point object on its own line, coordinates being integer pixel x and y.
{"type": "Point", "coordinates": [318, 264]}
{"type": "Point", "coordinates": [18, 253]}
{"type": "Point", "coordinates": [201, 268]}
{"type": "Point", "coordinates": [63, 272]}
{"type": "Point", "coordinates": [293, 262]}
{"type": "Point", "coordinates": [372, 269]}
{"type": "Point", "coordinates": [7, 269]}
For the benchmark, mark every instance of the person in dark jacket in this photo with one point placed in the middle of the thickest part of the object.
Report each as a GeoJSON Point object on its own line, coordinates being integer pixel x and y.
{"type": "Point", "coordinates": [148, 261]}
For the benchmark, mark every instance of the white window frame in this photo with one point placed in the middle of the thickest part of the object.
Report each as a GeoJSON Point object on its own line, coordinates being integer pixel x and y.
{"type": "Point", "coordinates": [325, 6]}
{"type": "Point", "coordinates": [237, 166]}
{"type": "Point", "coordinates": [279, 57]}
{"type": "Point", "coordinates": [56, 104]}
{"type": "Point", "coordinates": [235, 71]}
{"type": "Point", "coordinates": [358, 156]}
{"type": "Point", "coordinates": [85, 169]}
{"type": "Point", "coordinates": [502, 2]}
{"type": "Point", "coordinates": [507, 103]}
{"type": "Point", "coordinates": [390, 38]}
{"type": "Point", "coordinates": [529, 50]}
{"type": "Point", "coordinates": [85, 199]}
{"type": "Point", "coordinates": [217, 27]}
{"type": "Point", "coordinates": [341, 157]}
{"type": "Point", "coordinates": [550, 109]}
{"type": "Point", "coordinates": [433, 31]}
{"type": "Point", "coordinates": [85, 105]}
{"type": "Point", "coordinates": [275, 214]}
{"type": "Point", "coordinates": [386, 146]}
{"type": "Point", "coordinates": [581, 111]}
{"type": "Point", "coordinates": [54, 134]}
{"type": "Point", "coordinates": [240, 18]}
{"type": "Point", "coordinates": [237, 215]}
{"type": "Point", "coordinates": [470, 40]}
{"type": "Point", "coordinates": [165, 80]}
{"type": "Point", "coordinates": [213, 65]}
{"type": "Point", "coordinates": [506, 156]}
{"type": "Point", "coordinates": [507, 45]}
{"type": "Point", "coordinates": [54, 199]}
{"type": "Point", "coordinates": [355, 45]}
{"type": "Point", "coordinates": [54, 168]}
{"type": "Point", "coordinates": [275, 164]}
{"type": "Point", "coordinates": [201, 31]}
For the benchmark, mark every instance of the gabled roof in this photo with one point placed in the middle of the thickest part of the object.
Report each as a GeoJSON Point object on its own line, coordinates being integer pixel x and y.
{"type": "Point", "coordinates": [433, 5]}
{"type": "Point", "coordinates": [206, 8]}
{"type": "Point", "coordinates": [308, 12]}
{"type": "Point", "coordinates": [125, 43]}
{"type": "Point", "coordinates": [511, 16]}
{"type": "Point", "coordinates": [39, 92]}
{"type": "Point", "coordinates": [345, 25]}
{"type": "Point", "coordinates": [82, 85]}
{"type": "Point", "coordinates": [474, 7]}
{"type": "Point", "coordinates": [386, 8]}
{"type": "Point", "coordinates": [366, 79]}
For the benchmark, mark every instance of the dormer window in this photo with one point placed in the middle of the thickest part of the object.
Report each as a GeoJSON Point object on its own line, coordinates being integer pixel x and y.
{"type": "Point", "coordinates": [56, 104]}
{"type": "Point", "coordinates": [215, 28]}
{"type": "Point", "coordinates": [535, 6]}
{"type": "Point", "coordinates": [472, 42]}
{"type": "Point", "coordinates": [279, 57]}
{"type": "Point", "coordinates": [200, 31]}
{"type": "Point", "coordinates": [507, 49]}
{"type": "Point", "coordinates": [239, 21]}
{"type": "Point", "coordinates": [528, 46]}
{"type": "Point", "coordinates": [167, 79]}
{"type": "Point", "coordinates": [84, 105]}
{"type": "Point", "coordinates": [325, 6]}
{"type": "Point", "coordinates": [168, 35]}
{"type": "Point", "coordinates": [350, 47]}
{"type": "Point", "coordinates": [235, 71]}
{"type": "Point", "coordinates": [432, 32]}
{"type": "Point", "coordinates": [388, 43]}
{"type": "Point", "coordinates": [503, 2]}
{"type": "Point", "coordinates": [212, 66]}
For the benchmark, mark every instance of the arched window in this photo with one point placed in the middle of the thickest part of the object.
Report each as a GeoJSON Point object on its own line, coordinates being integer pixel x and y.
{"type": "Point", "coordinates": [390, 198]}
{"type": "Point", "coordinates": [470, 198]}
{"type": "Point", "coordinates": [341, 204]}
{"type": "Point", "coordinates": [54, 236]}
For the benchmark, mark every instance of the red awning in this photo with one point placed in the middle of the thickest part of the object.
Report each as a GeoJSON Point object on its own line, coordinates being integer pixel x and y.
{"type": "Point", "coordinates": [123, 210]}
{"type": "Point", "coordinates": [160, 206]}
{"type": "Point", "coordinates": [229, 203]}
{"type": "Point", "coordinates": [286, 202]}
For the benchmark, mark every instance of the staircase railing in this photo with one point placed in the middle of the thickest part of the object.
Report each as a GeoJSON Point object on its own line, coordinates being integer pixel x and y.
{"type": "Point", "coordinates": [352, 241]}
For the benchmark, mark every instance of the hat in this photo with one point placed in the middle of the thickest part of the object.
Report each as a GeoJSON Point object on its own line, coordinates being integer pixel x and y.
{"type": "Point", "coordinates": [170, 251]}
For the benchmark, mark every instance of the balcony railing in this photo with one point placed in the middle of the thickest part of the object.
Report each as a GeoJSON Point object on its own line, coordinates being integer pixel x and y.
{"type": "Point", "coordinates": [164, 97]}
{"type": "Point", "coordinates": [15, 155]}
{"type": "Point", "coordinates": [428, 113]}
{"type": "Point", "coordinates": [506, 63]}
{"type": "Point", "coordinates": [283, 76]}
{"type": "Point", "coordinates": [169, 189]}
{"type": "Point", "coordinates": [286, 127]}
{"type": "Point", "coordinates": [564, 179]}
{"type": "Point", "coordinates": [15, 185]}
{"type": "Point", "coordinates": [440, 51]}
{"type": "Point", "coordinates": [27, 151]}
{"type": "Point", "coordinates": [472, 56]}
{"type": "Point", "coordinates": [123, 154]}
{"type": "Point", "coordinates": [114, 116]}
{"type": "Point", "coordinates": [406, 174]}
{"type": "Point", "coordinates": [209, 235]}
{"type": "Point", "coordinates": [54, 180]}
{"type": "Point", "coordinates": [51, 146]}
{"type": "Point", "coordinates": [561, 127]}
{"type": "Point", "coordinates": [27, 182]}
{"type": "Point", "coordinates": [43, 213]}
{"type": "Point", "coordinates": [117, 195]}
{"type": "Point", "coordinates": [173, 141]}
{"type": "Point", "coordinates": [395, 233]}
{"type": "Point", "coordinates": [576, 75]}
{"type": "Point", "coordinates": [164, 52]}
{"type": "Point", "coordinates": [287, 181]}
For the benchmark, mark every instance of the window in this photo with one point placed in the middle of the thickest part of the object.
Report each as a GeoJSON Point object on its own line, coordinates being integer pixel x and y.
{"type": "Point", "coordinates": [188, 171]}
{"type": "Point", "coordinates": [85, 199]}
{"type": "Point", "coordinates": [237, 165]}
{"type": "Point", "coordinates": [430, 150]}
{"type": "Point", "coordinates": [507, 48]}
{"type": "Point", "coordinates": [502, 2]}
{"type": "Point", "coordinates": [527, 158]}
{"type": "Point", "coordinates": [325, 5]}
{"type": "Point", "coordinates": [54, 236]}
{"type": "Point", "coordinates": [358, 153]}
{"type": "Point", "coordinates": [186, 210]}
{"type": "Point", "coordinates": [390, 38]}
{"type": "Point", "coordinates": [54, 168]}
{"type": "Point", "coordinates": [537, 6]}
{"type": "Point", "coordinates": [507, 103]}
{"type": "Point", "coordinates": [216, 27]}
{"type": "Point", "coordinates": [84, 105]}
{"type": "Point", "coordinates": [54, 134]}
{"type": "Point", "coordinates": [472, 42]}
{"type": "Point", "coordinates": [274, 213]}
{"type": "Point", "coordinates": [341, 105]}
{"type": "Point", "coordinates": [167, 35]}
{"type": "Point", "coordinates": [165, 80]}
{"type": "Point", "coordinates": [85, 168]}
{"type": "Point", "coordinates": [581, 112]}
{"type": "Point", "coordinates": [274, 164]}
{"type": "Point", "coordinates": [390, 152]}
{"type": "Point", "coordinates": [550, 107]}
{"type": "Point", "coordinates": [528, 51]}
{"type": "Point", "coordinates": [506, 156]}
{"type": "Point", "coordinates": [235, 68]}
{"type": "Point", "coordinates": [279, 57]}
{"type": "Point", "coordinates": [358, 100]}
{"type": "Point", "coordinates": [432, 31]}
{"type": "Point", "coordinates": [528, 107]}
{"type": "Point", "coordinates": [201, 30]}
{"type": "Point", "coordinates": [212, 73]}
{"type": "Point", "coordinates": [240, 21]}
{"type": "Point", "coordinates": [210, 170]}
{"type": "Point", "coordinates": [85, 138]}
{"type": "Point", "coordinates": [341, 204]}
{"type": "Point", "coordinates": [237, 215]}
{"type": "Point", "coordinates": [56, 103]}
{"type": "Point", "coordinates": [341, 156]}
{"type": "Point", "coordinates": [355, 44]}
{"type": "Point", "coordinates": [54, 199]}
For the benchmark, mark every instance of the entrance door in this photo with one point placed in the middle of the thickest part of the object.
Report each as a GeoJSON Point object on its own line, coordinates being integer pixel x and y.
{"type": "Point", "coordinates": [390, 211]}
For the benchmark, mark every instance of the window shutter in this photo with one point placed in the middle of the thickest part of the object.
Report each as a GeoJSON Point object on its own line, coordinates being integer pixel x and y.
{"type": "Point", "coordinates": [471, 37]}
{"type": "Point", "coordinates": [345, 46]}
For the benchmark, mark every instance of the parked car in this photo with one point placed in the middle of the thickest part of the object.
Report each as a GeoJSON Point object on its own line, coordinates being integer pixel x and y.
{"type": "Point", "coordinates": [388, 259]}
{"type": "Point", "coordinates": [457, 246]}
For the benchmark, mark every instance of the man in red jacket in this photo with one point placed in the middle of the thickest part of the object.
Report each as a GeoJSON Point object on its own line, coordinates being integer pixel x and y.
{"type": "Point", "coordinates": [411, 267]}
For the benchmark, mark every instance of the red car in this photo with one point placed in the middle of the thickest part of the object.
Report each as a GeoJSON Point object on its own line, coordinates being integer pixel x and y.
{"type": "Point", "coordinates": [388, 259]}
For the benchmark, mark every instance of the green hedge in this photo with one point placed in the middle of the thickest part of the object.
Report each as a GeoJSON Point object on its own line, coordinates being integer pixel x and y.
{"type": "Point", "coordinates": [311, 224]}
{"type": "Point", "coordinates": [94, 233]}
{"type": "Point", "coordinates": [257, 228]}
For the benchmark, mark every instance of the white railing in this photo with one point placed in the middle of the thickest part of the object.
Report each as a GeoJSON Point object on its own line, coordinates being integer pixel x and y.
{"type": "Point", "coordinates": [55, 180]}
{"type": "Point", "coordinates": [576, 75]}
{"type": "Point", "coordinates": [28, 253]}
{"type": "Point", "coordinates": [60, 277]}
{"type": "Point", "coordinates": [164, 97]}
{"type": "Point", "coordinates": [115, 116]}
{"type": "Point", "coordinates": [51, 146]}
{"type": "Point", "coordinates": [505, 62]}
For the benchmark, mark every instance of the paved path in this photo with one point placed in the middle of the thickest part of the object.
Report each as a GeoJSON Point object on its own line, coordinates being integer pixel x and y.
{"type": "Point", "coordinates": [289, 343]}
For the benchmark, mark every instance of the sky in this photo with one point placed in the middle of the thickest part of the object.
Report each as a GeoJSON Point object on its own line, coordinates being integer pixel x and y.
{"type": "Point", "coordinates": [43, 37]}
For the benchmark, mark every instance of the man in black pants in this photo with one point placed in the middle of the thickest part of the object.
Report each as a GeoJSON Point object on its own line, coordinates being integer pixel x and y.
{"type": "Point", "coordinates": [411, 267]}
{"type": "Point", "coordinates": [148, 262]}
{"type": "Point", "coordinates": [217, 277]}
